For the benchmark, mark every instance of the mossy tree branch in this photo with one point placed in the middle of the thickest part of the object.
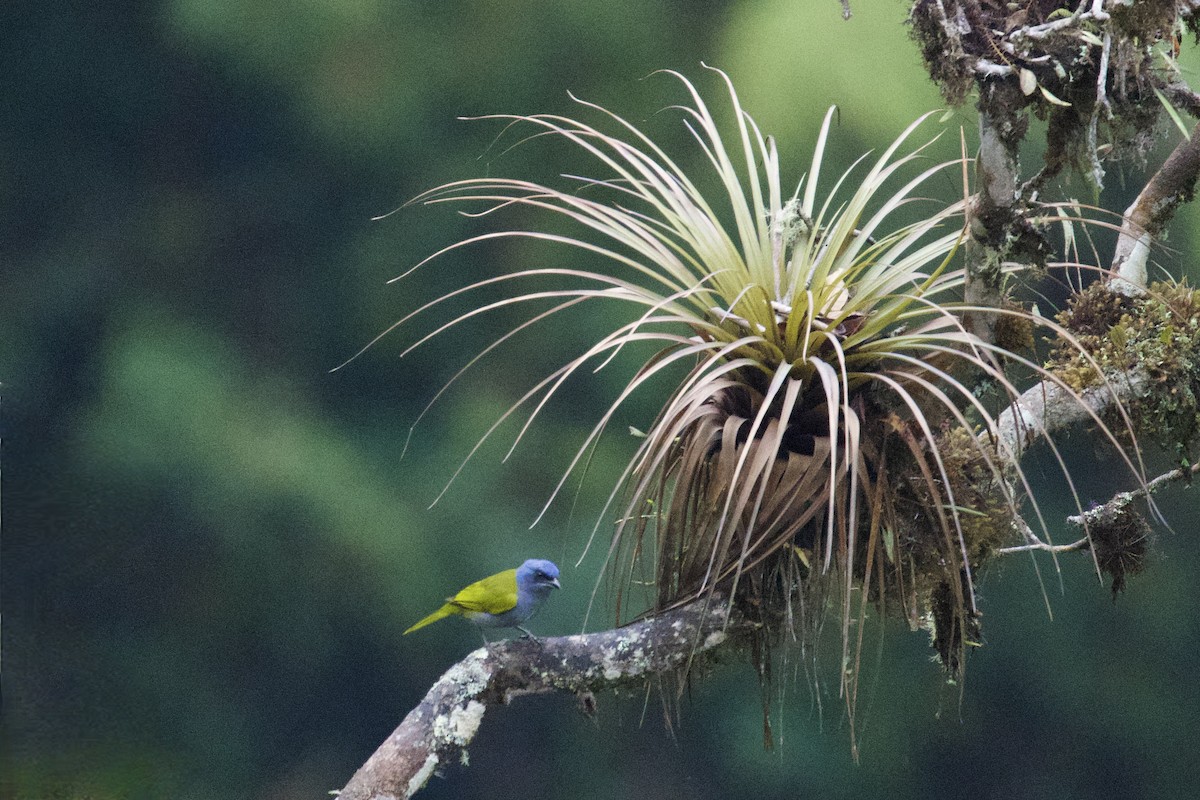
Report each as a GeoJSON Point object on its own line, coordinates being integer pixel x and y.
{"type": "Point", "coordinates": [992, 219]}
{"type": "Point", "coordinates": [438, 731]}
{"type": "Point", "coordinates": [1048, 408]}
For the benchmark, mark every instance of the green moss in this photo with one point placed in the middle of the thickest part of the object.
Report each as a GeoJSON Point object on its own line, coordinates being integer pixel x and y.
{"type": "Point", "coordinates": [1014, 331]}
{"type": "Point", "coordinates": [985, 517]}
{"type": "Point", "coordinates": [1160, 333]}
{"type": "Point", "coordinates": [931, 516]}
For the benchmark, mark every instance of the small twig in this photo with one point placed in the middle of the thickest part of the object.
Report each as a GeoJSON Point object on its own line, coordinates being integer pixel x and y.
{"type": "Point", "coordinates": [1033, 541]}
{"type": "Point", "coordinates": [1055, 26]}
{"type": "Point", "coordinates": [1026, 532]}
{"type": "Point", "coordinates": [990, 69]}
{"type": "Point", "coordinates": [1082, 544]}
{"type": "Point", "coordinates": [1101, 104]}
{"type": "Point", "coordinates": [724, 315]}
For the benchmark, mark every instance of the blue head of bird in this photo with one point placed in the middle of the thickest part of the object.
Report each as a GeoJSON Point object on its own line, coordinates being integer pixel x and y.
{"type": "Point", "coordinates": [536, 578]}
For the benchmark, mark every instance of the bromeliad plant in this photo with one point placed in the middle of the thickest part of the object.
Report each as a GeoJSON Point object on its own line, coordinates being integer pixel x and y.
{"type": "Point", "coordinates": [828, 434]}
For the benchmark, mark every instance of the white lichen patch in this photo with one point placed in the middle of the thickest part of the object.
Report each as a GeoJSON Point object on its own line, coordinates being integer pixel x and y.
{"type": "Point", "coordinates": [470, 674]}
{"type": "Point", "coordinates": [459, 726]}
{"type": "Point", "coordinates": [610, 666]}
{"type": "Point", "coordinates": [626, 657]}
{"type": "Point", "coordinates": [422, 776]}
{"type": "Point", "coordinates": [714, 639]}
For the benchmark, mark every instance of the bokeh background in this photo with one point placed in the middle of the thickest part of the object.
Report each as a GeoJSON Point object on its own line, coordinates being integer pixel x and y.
{"type": "Point", "coordinates": [211, 543]}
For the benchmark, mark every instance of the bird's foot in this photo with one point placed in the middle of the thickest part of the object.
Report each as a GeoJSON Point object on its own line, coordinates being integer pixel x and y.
{"type": "Point", "coordinates": [527, 635]}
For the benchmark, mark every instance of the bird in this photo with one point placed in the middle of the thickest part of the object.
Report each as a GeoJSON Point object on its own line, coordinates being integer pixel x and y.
{"type": "Point", "coordinates": [504, 600]}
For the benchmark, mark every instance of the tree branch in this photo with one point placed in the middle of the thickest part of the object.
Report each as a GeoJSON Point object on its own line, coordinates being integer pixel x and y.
{"type": "Point", "coordinates": [1120, 500]}
{"type": "Point", "coordinates": [1048, 408]}
{"type": "Point", "coordinates": [1147, 218]}
{"type": "Point", "coordinates": [991, 220]}
{"type": "Point", "coordinates": [1100, 515]}
{"type": "Point", "coordinates": [439, 729]}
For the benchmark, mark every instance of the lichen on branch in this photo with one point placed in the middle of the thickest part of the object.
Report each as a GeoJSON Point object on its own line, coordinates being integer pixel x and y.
{"type": "Point", "coordinates": [438, 731]}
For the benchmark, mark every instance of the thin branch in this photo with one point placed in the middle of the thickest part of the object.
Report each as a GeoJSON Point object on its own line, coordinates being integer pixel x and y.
{"type": "Point", "coordinates": [1119, 501]}
{"type": "Point", "coordinates": [1098, 515]}
{"type": "Point", "coordinates": [1082, 544]}
{"type": "Point", "coordinates": [1101, 105]}
{"type": "Point", "coordinates": [1183, 97]}
{"type": "Point", "coordinates": [986, 68]}
{"type": "Point", "coordinates": [1033, 541]}
{"type": "Point", "coordinates": [438, 731]}
{"type": "Point", "coordinates": [1038, 32]}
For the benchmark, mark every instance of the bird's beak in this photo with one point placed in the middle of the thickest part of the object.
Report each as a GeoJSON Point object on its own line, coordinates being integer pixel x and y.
{"type": "Point", "coordinates": [556, 584]}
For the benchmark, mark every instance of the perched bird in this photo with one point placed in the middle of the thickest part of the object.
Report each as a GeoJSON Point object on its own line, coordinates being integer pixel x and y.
{"type": "Point", "coordinates": [504, 600]}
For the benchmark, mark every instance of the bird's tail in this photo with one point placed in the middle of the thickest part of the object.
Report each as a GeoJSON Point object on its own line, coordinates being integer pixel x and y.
{"type": "Point", "coordinates": [444, 611]}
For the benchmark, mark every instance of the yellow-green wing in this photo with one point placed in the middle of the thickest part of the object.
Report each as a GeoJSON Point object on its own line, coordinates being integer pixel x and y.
{"type": "Point", "coordinates": [495, 594]}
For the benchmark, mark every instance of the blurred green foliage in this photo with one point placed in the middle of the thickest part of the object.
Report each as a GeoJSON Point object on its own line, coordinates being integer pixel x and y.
{"type": "Point", "coordinates": [211, 542]}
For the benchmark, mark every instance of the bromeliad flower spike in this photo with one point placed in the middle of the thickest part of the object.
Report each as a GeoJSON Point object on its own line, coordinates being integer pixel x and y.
{"type": "Point", "coordinates": [826, 436]}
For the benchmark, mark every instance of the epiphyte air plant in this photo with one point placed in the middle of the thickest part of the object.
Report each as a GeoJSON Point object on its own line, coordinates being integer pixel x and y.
{"type": "Point", "coordinates": [826, 436]}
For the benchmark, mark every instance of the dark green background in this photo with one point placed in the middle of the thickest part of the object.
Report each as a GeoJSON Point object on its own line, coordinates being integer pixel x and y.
{"type": "Point", "coordinates": [211, 543]}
